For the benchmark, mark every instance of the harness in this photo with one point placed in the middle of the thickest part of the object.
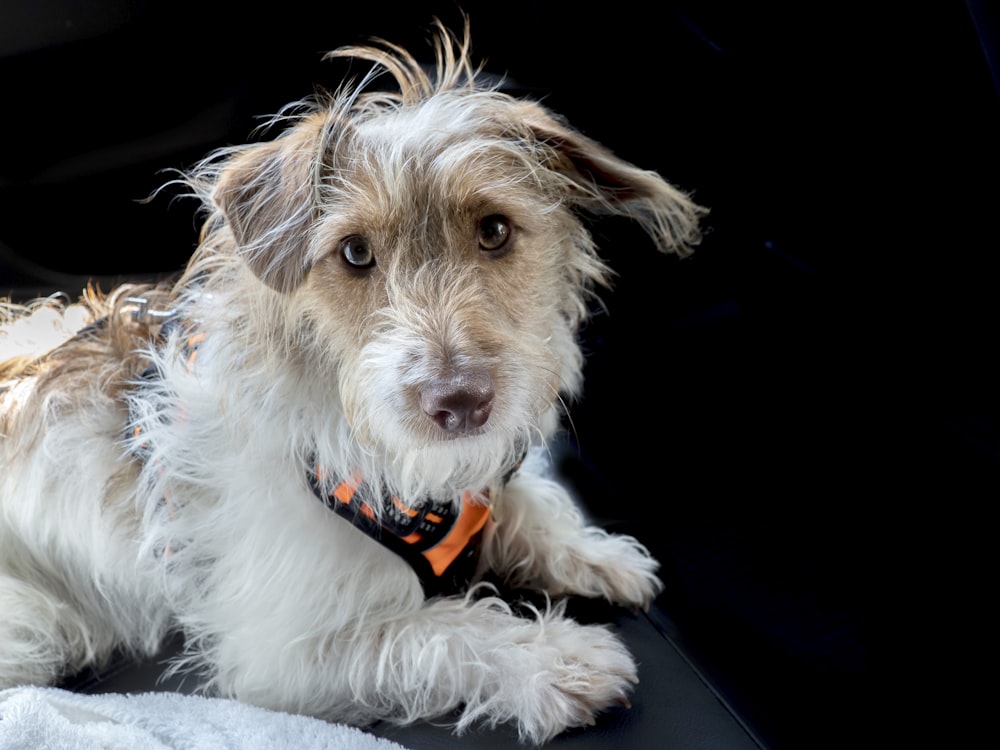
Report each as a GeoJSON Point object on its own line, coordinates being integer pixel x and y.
{"type": "Point", "coordinates": [440, 542]}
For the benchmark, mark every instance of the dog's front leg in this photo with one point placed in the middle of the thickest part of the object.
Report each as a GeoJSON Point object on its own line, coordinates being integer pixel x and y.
{"type": "Point", "coordinates": [464, 661]}
{"type": "Point", "coordinates": [541, 541]}
{"type": "Point", "coordinates": [542, 674]}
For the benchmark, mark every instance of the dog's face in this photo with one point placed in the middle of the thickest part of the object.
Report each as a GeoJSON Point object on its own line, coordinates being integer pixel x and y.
{"type": "Point", "coordinates": [424, 252]}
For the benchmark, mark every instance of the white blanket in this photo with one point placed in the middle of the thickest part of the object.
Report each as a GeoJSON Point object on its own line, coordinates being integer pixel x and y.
{"type": "Point", "coordinates": [33, 718]}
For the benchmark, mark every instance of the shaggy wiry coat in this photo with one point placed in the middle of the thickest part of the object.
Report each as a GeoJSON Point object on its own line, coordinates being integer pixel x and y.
{"type": "Point", "coordinates": [390, 290]}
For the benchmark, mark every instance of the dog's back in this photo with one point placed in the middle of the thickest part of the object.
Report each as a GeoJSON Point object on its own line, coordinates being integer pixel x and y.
{"type": "Point", "coordinates": [68, 516]}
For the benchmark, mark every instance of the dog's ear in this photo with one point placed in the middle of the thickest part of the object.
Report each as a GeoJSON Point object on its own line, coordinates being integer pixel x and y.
{"type": "Point", "coordinates": [266, 194]}
{"type": "Point", "coordinates": [603, 184]}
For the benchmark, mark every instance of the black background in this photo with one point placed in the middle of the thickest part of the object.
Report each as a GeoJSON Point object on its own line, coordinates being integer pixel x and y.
{"type": "Point", "coordinates": [800, 419]}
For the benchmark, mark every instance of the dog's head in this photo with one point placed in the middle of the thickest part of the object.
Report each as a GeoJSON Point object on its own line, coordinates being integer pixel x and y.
{"type": "Point", "coordinates": [423, 250]}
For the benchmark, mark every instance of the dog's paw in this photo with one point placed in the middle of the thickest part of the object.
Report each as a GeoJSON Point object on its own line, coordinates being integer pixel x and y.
{"type": "Point", "coordinates": [543, 542]}
{"type": "Point", "coordinates": [615, 567]}
{"type": "Point", "coordinates": [564, 679]}
{"type": "Point", "coordinates": [628, 573]}
{"type": "Point", "coordinates": [594, 673]}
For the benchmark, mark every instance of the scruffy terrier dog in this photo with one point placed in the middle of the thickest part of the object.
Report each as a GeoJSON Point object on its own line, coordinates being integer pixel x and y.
{"type": "Point", "coordinates": [305, 454]}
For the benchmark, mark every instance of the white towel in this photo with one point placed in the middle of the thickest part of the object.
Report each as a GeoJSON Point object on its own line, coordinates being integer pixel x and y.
{"type": "Point", "coordinates": [35, 718]}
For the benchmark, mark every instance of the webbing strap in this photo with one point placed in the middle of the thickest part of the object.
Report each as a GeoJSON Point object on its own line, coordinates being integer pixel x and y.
{"type": "Point", "coordinates": [439, 542]}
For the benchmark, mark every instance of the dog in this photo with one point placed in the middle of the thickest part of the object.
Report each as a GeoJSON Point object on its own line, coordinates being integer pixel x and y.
{"type": "Point", "coordinates": [312, 451]}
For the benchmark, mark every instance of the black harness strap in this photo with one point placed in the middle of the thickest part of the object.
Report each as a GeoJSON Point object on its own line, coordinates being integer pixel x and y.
{"type": "Point", "coordinates": [440, 543]}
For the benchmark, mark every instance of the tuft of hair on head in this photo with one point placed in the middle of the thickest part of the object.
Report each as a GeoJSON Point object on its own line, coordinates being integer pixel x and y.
{"type": "Point", "coordinates": [453, 69]}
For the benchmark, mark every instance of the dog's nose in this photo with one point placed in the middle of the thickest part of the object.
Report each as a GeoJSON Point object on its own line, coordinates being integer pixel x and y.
{"type": "Point", "coordinates": [459, 402]}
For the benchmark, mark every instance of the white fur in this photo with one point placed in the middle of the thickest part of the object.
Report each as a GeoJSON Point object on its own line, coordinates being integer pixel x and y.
{"type": "Point", "coordinates": [204, 521]}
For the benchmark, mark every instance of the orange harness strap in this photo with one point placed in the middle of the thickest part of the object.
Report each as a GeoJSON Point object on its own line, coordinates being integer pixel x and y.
{"type": "Point", "coordinates": [439, 542]}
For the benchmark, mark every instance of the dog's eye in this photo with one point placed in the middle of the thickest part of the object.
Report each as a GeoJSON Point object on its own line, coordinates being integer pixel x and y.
{"type": "Point", "coordinates": [494, 232]}
{"type": "Point", "coordinates": [356, 252]}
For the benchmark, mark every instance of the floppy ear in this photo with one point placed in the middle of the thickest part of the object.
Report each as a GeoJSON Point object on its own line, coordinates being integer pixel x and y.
{"type": "Point", "coordinates": [266, 193]}
{"type": "Point", "coordinates": [602, 183]}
